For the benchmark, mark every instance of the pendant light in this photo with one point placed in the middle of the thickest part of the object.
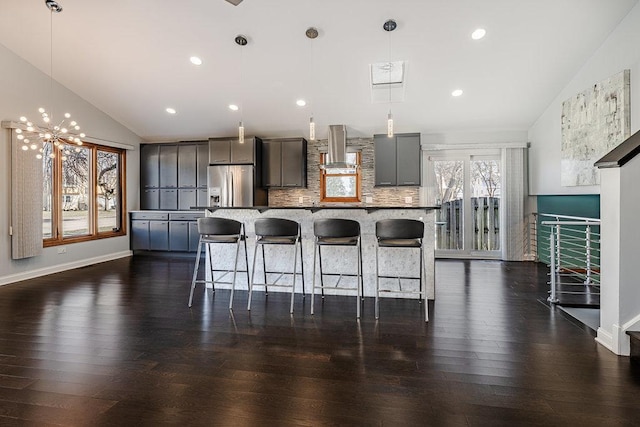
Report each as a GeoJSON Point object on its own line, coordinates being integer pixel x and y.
{"type": "Point", "coordinates": [389, 26]}
{"type": "Point", "coordinates": [241, 41]}
{"type": "Point", "coordinates": [311, 34]}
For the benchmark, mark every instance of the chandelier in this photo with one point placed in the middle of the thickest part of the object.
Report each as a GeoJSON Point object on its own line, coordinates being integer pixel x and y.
{"type": "Point", "coordinates": [60, 134]}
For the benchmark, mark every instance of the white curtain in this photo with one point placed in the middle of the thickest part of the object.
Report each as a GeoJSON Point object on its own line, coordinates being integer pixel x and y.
{"type": "Point", "coordinates": [514, 187]}
{"type": "Point", "coordinates": [26, 201]}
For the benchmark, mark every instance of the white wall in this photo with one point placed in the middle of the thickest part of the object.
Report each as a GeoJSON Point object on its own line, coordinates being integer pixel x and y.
{"type": "Point", "coordinates": [23, 89]}
{"type": "Point", "coordinates": [620, 51]}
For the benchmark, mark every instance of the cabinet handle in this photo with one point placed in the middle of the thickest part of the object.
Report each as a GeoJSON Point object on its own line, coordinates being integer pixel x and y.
{"type": "Point", "coordinates": [409, 183]}
{"type": "Point", "coordinates": [290, 185]}
{"type": "Point", "coordinates": [385, 183]}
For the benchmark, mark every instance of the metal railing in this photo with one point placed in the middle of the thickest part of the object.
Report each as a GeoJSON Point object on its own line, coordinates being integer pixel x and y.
{"type": "Point", "coordinates": [571, 247]}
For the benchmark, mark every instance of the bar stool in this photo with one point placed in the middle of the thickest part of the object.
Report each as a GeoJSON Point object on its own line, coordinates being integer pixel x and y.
{"type": "Point", "coordinates": [214, 230]}
{"type": "Point", "coordinates": [277, 231]}
{"type": "Point", "coordinates": [337, 232]}
{"type": "Point", "coordinates": [401, 233]}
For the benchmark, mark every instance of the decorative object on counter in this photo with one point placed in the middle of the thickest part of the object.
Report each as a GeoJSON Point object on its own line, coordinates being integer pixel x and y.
{"type": "Point", "coordinates": [401, 233]}
{"type": "Point", "coordinates": [337, 232]}
{"type": "Point", "coordinates": [277, 231]}
{"type": "Point", "coordinates": [52, 135]}
{"type": "Point", "coordinates": [220, 231]}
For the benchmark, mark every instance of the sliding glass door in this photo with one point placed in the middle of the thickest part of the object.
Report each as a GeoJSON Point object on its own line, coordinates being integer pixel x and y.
{"type": "Point", "coordinates": [467, 186]}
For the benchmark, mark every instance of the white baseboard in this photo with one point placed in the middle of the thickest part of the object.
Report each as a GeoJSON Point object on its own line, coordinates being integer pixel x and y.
{"type": "Point", "coordinates": [32, 274]}
{"type": "Point", "coordinates": [605, 339]}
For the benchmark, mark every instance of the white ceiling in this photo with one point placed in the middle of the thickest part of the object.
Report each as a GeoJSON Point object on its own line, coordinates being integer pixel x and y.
{"type": "Point", "coordinates": [130, 58]}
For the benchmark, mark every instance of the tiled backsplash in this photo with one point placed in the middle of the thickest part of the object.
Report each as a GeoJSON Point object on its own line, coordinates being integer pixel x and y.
{"type": "Point", "coordinates": [381, 196]}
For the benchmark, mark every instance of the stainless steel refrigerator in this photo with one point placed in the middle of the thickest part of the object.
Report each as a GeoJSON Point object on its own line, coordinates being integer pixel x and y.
{"type": "Point", "coordinates": [234, 186]}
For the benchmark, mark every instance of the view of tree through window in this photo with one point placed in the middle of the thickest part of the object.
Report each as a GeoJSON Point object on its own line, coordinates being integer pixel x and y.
{"type": "Point", "coordinates": [108, 191]}
{"type": "Point", "coordinates": [82, 193]}
{"type": "Point", "coordinates": [341, 184]}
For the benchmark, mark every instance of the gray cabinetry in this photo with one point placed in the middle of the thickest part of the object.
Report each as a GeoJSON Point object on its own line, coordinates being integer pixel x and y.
{"type": "Point", "coordinates": [166, 169]}
{"type": "Point", "coordinates": [285, 162]}
{"type": "Point", "coordinates": [168, 166]}
{"type": "Point", "coordinates": [140, 235]}
{"type": "Point", "coordinates": [150, 198]}
{"type": "Point", "coordinates": [164, 231]}
{"type": "Point", "coordinates": [243, 152]}
{"type": "Point", "coordinates": [168, 199]}
{"type": "Point", "coordinates": [179, 236]}
{"type": "Point", "coordinates": [202, 163]}
{"type": "Point", "coordinates": [149, 166]}
{"type": "Point", "coordinates": [231, 151]}
{"type": "Point", "coordinates": [409, 156]}
{"type": "Point", "coordinates": [187, 197]}
{"type": "Point", "coordinates": [187, 165]}
{"type": "Point", "coordinates": [397, 160]}
{"type": "Point", "coordinates": [202, 197]}
{"type": "Point", "coordinates": [219, 151]}
{"type": "Point", "coordinates": [159, 235]}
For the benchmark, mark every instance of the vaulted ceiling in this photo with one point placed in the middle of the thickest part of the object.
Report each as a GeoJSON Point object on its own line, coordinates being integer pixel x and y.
{"type": "Point", "coordinates": [130, 58]}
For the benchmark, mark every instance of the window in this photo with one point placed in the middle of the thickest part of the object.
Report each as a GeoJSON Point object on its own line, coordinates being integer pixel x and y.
{"type": "Point", "coordinates": [341, 184]}
{"type": "Point", "coordinates": [82, 193]}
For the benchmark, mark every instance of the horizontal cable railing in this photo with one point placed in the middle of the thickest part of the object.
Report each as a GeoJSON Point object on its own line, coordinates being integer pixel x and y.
{"type": "Point", "coordinates": [571, 247]}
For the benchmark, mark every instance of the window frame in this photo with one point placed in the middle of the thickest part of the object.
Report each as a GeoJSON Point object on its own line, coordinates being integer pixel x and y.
{"type": "Point", "coordinates": [324, 173]}
{"type": "Point", "coordinates": [57, 236]}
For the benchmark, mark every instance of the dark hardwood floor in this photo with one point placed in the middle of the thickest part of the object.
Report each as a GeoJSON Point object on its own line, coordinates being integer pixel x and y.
{"type": "Point", "coordinates": [115, 344]}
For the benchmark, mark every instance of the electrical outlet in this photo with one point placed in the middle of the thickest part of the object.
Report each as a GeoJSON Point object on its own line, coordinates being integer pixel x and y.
{"type": "Point", "coordinates": [301, 200]}
{"type": "Point", "coordinates": [408, 199]}
{"type": "Point", "coordinates": [368, 199]}
{"type": "Point", "coordinates": [62, 249]}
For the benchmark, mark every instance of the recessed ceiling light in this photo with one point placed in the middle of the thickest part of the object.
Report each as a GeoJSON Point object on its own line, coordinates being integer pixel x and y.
{"type": "Point", "coordinates": [478, 34]}
{"type": "Point", "coordinates": [457, 92]}
{"type": "Point", "coordinates": [195, 60]}
{"type": "Point", "coordinates": [301, 102]}
{"type": "Point", "coordinates": [171, 110]}
{"type": "Point", "coordinates": [233, 107]}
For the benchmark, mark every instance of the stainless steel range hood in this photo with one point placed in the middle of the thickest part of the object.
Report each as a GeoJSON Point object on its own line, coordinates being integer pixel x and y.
{"type": "Point", "coordinates": [337, 148]}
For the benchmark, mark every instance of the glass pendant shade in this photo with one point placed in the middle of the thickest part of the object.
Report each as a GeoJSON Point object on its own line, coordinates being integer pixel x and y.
{"type": "Point", "coordinates": [312, 129]}
{"type": "Point", "coordinates": [240, 133]}
{"type": "Point", "coordinates": [389, 125]}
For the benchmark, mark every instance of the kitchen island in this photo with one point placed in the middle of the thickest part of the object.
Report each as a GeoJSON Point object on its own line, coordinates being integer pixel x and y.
{"type": "Point", "coordinates": [340, 260]}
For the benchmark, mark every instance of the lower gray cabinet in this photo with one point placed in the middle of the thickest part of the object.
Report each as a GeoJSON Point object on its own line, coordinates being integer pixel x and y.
{"type": "Point", "coordinates": [179, 236]}
{"type": "Point", "coordinates": [165, 231]}
{"type": "Point", "coordinates": [194, 236]}
{"type": "Point", "coordinates": [159, 235]}
{"type": "Point", "coordinates": [140, 235]}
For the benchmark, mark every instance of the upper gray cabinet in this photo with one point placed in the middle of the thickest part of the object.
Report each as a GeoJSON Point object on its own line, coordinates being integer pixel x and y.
{"type": "Point", "coordinates": [168, 166]}
{"type": "Point", "coordinates": [285, 162]}
{"type": "Point", "coordinates": [202, 163]}
{"type": "Point", "coordinates": [170, 173]}
{"type": "Point", "coordinates": [397, 160]}
{"type": "Point", "coordinates": [149, 166]}
{"type": "Point", "coordinates": [219, 151]}
{"type": "Point", "coordinates": [226, 151]}
{"type": "Point", "coordinates": [187, 165]}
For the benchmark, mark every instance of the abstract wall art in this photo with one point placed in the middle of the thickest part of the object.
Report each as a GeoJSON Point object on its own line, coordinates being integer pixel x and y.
{"type": "Point", "coordinates": [593, 123]}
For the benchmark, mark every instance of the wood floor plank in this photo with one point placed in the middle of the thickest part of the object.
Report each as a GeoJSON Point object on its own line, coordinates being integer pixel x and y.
{"type": "Point", "coordinates": [115, 342]}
